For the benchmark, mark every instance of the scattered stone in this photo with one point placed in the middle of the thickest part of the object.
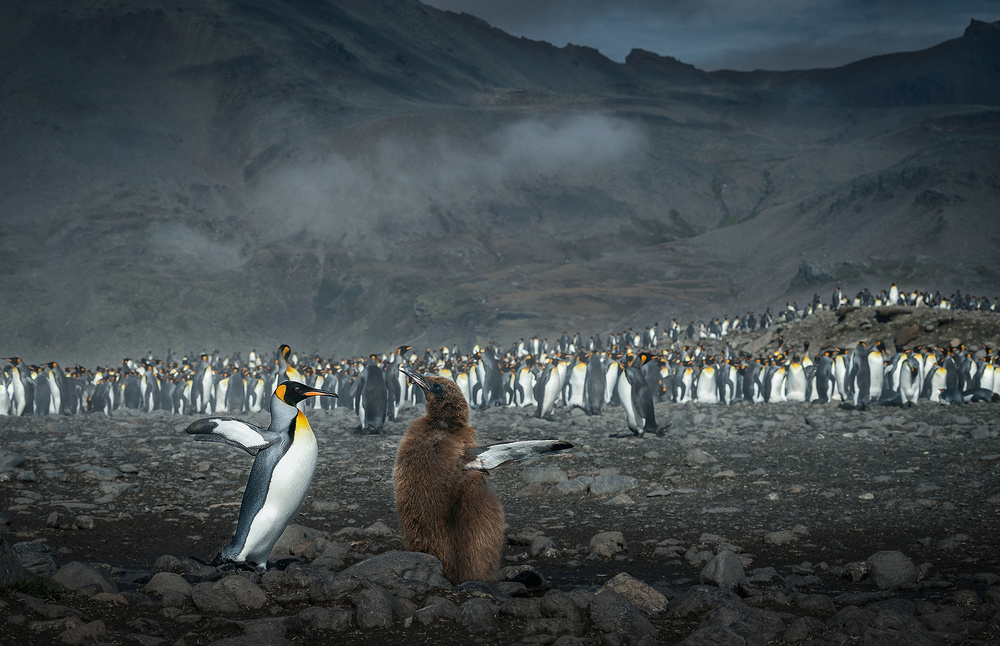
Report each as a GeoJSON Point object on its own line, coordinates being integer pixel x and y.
{"type": "Point", "coordinates": [612, 483]}
{"type": "Point", "coordinates": [724, 570]}
{"type": "Point", "coordinates": [606, 544]}
{"type": "Point", "coordinates": [79, 576]}
{"type": "Point", "coordinates": [610, 612]}
{"type": "Point", "coordinates": [696, 457]}
{"type": "Point", "coordinates": [890, 569]}
{"type": "Point", "coordinates": [640, 594]}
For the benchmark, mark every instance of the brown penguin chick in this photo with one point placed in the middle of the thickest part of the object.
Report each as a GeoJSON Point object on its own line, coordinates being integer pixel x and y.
{"type": "Point", "coordinates": [446, 508]}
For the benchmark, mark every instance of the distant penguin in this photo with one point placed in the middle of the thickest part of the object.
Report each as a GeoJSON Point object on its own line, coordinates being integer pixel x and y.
{"type": "Point", "coordinates": [706, 387]}
{"type": "Point", "coordinates": [445, 507]}
{"type": "Point", "coordinates": [524, 384]}
{"type": "Point", "coordinates": [633, 391]}
{"type": "Point", "coordinates": [284, 461]}
{"type": "Point", "coordinates": [575, 390]}
{"type": "Point", "coordinates": [796, 383]}
{"type": "Point", "coordinates": [19, 401]}
{"type": "Point", "coordinates": [490, 379]}
{"type": "Point", "coordinates": [371, 398]}
{"type": "Point", "coordinates": [594, 385]}
{"type": "Point", "coordinates": [396, 381]}
{"type": "Point", "coordinates": [548, 386]}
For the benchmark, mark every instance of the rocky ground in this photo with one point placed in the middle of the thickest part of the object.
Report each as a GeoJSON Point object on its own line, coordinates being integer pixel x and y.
{"type": "Point", "coordinates": [742, 524]}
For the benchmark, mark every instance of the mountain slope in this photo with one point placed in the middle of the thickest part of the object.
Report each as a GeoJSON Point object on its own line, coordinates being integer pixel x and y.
{"type": "Point", "coordinates": [349, 176]}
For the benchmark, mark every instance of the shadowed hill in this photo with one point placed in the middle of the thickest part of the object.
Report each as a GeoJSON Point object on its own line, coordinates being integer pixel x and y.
{"type": "Point", "coordinates": [350, 175]}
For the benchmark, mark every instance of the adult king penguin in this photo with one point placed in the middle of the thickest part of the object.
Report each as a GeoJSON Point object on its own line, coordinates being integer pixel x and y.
{"type": "Point", "coordinates": [445, 507]}
{"type": "Point", "coordinates": [284, 461]}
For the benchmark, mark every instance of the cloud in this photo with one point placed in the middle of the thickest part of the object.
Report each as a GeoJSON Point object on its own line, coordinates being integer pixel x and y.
{"type": "Point", "coordinates": [394, 181]}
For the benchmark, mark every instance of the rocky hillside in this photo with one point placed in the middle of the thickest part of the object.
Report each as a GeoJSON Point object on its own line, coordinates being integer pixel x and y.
{"type": "Point", "coordinates": [354, 175]}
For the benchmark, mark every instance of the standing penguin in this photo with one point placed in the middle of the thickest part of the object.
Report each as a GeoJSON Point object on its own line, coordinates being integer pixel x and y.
{"type": "Point", "coordinates": [284, 461]}
{"type": "Point", "coordinates": [371, 398]}
{"type": "Point", "coordinates": [445, 507]}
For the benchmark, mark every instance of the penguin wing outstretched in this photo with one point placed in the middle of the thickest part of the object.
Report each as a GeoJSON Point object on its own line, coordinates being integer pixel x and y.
{"type": "Point", "coordinates": [233, 432]}
{"type": "Point", "coordinates": [484, 458]}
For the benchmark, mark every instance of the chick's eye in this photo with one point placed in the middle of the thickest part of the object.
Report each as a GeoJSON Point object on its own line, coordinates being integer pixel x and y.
{"type": "Point", "coordinates": [437, 389]}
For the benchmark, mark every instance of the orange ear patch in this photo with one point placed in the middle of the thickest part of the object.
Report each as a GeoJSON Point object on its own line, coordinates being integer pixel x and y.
{"type": "Point", "coordinates": [280, 391]}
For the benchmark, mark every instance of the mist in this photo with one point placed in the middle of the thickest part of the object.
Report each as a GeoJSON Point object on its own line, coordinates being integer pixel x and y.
{"type": "Point", "coordinates": [391, 182]}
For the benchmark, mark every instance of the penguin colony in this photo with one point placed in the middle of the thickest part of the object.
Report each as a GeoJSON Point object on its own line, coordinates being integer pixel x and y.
{"type": "Point", "coordinates": [629, 369]}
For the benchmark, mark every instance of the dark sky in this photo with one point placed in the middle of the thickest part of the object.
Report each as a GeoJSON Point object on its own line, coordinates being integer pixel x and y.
{"type": "Point", "coordinates": [736, 34]}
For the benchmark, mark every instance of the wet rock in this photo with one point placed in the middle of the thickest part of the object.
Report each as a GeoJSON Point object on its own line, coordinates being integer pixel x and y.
{"type": "Point", "coordinates": [79, 576]}
{"type": "Point", "coordinates": [641, 595]}
{"type": "Point", "coordinates": [612, 613]}
{"type": "Point", "coordinates": [606, 544]}
{"type": "Point", "coordinates": [246, 593]}
{"type": "Point", "coordinates": [478, 612]}
{"type": "Point", "coordinates": [213, 600]}
{"type": "Point", "coordinates": [436, 609]}
{"type": "Point", "coordinates": [698, 458]}
{"type": "Point", "coordinates": [890, 569]}
{"type": "Point", "coordinates": [85, 634]}
{"type": "Point", "coordinates": [556, 603]}
{"type": "Point", "coordinates": [724, 570]}
{"type": "Point", "coordinates": [327, 619]}
{"type": "Point", "coordinates": [374, 608]}
{"type": "Point", "coordinates": [9, 460]}
{"type": "Point", "coordinates": [801, 628]}
{"type": "Point", "coordinates": [172, 588]}
{"type": "Point", "coordinates": [36, 557]}
{"type": "Point", "coordinates": [613, 483]}
{"type": "Point", "coordinates": [535, 475]}
{"type": "Point", "coordinates": [389, 567]}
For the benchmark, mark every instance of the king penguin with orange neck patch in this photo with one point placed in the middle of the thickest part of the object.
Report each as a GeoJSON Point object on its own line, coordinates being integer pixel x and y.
{"type": "Point", "coordinates": [285, 456]}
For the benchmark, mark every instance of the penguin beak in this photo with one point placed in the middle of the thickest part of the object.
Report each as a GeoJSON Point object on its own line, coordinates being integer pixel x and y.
{"type": "Point", "coordinates": [320, 393]}
{"type": "Point", "coordinates": [414, 377]}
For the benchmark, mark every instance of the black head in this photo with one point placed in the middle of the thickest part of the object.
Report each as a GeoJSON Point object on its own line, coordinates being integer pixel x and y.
{"type": "Point", "coordinates": [292, 392]}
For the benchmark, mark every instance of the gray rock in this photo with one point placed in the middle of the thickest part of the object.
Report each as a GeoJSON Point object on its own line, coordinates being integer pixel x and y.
{"type": "Point", "coordinates": [606, 544]}
{"type": "Point", "coordinates": [800, 629]}
{"type": "Point", "coordinates": [86, 634]}
{"type": "Point", "coordinates": [698, 458]}
{"type": "Point", "coordinates": [76, 576]}
{"type": "Point", "coordinates": [890, 569]}
{"type": "Point", "coordinates": [374, 608]}
{"type": "Point", "coordinates": [436, 609]}
{"type": "Point", "coordinates": [816, 604]}
{"type": "Point", "coordinates": [553, 626]}
{"type": "Point", "coordinates": [247, 594]}
{"type": "Point", "coordinates": [10, 460]}
{"type": "Point", "coordinates": [556, 603]}
{"type": "Point", "coordinates": [533, 475]}
{"type": "Point", "coordinates": [478, 612]}
{"type": "Point", "coordinates": [724, 570]}
{"type": "Point", "coordinates": [163, 583]}
{"type": "Point", "coordinates": [386, 568]}
{"type": "Point", "coordinates": [329, 587]}
{"type": "Point", "coordinates": [327, 619]}
{"type": "Point", "coordinates": [783, 537]}
{"type": "Point", "coordinates": [94, 472]}
{"type": "Point", "coordinates": [214, 601]}
{"type": "Point", "coordinates": [576, 485]}
{"type": "Point", "coordinates": [641, 595]}
{"type": "Point", "coordinates": [612, 613]}
{"type": "Point", "coordinates": [36, 557]}
{"type": "Point", "coordinates": [11, 570]}
{"type": "Point", "coordinates": [612, 483]}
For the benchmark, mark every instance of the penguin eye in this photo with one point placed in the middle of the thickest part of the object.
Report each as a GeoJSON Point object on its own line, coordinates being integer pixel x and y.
{"type": "Point", "coordinates": [438, 390]}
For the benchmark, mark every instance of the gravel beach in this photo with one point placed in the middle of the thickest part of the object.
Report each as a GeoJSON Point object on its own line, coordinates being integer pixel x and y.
{"type": "Point", "coordinates": [795, 523]}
